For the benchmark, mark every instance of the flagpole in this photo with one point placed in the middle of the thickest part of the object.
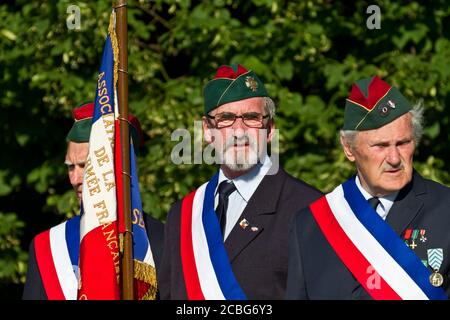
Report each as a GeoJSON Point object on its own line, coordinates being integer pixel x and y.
{"type": "Point", "coordinates": [127, 255]}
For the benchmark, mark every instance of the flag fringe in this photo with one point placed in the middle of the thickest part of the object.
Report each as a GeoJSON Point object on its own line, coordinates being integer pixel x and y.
{"type": "Point", "coordinates": [146, 273]}
{"type": "Point", "coordinates": [114, 44]}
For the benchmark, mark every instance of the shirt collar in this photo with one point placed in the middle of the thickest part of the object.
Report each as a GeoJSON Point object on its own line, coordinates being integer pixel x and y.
{"type": "Point", "coordinates": [246, 184]}
{"type": "Point", "coordinates": [386, 201]}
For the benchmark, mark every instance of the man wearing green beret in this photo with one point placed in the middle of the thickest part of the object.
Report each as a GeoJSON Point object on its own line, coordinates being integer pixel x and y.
{"type": "Point", "coordinates": [228, 238]}
{"type": "Point", "coordinates": [53, 256]}
{"type": "Point", "coordinates": [382, 234]}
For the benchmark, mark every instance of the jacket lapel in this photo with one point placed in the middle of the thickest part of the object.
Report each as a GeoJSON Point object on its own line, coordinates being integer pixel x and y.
{"type": "Point", "coordinates": [407, 205]}
{"type": "Point", "coordinates": [263, 203]}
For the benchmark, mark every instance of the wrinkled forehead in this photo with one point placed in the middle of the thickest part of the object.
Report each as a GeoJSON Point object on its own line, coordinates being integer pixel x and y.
{"type": "Point", "coordinates": [77, 152]}
{"type": "Point", "coordinates": [398, 130]}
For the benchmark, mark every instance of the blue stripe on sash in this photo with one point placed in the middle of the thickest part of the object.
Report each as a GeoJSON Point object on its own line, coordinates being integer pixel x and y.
{"type": "Point", "coordinates": [390, 241]}
{"type": "Point", "coordinates": [73, 239]}
{"type": "Point", "coordinates": [219, 258]}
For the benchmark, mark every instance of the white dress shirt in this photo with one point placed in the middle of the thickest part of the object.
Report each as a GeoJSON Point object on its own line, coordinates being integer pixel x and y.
{"type": "Point", "coordinates": [386, 202]}
{"type": "Point", "coordinates": [245, 186]}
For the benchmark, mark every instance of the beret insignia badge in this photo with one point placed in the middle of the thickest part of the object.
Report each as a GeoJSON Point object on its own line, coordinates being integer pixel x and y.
{"type": "Point", "coordinates": [251, 83]}
{"type": "Point", "coordinates": [385, 108]}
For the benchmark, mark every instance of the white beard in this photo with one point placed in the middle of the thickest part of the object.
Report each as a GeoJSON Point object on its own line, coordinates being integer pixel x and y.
{"type": "Point", "coordinates": [243, 159]}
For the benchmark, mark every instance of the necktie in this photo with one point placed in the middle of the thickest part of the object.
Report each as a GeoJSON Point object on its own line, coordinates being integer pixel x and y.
{"type": "Point", "coordinates": [225, 189]}
{"type": "Point", "coordinates": [374, 202]}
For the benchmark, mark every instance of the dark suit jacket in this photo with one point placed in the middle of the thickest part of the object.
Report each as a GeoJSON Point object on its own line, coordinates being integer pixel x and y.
{"type": "Point", "coordinates": [34, 288]}
{"type": "Point", "coordinates": [258, 259]}
{"type": "Point", "coordinates": [316, 272]}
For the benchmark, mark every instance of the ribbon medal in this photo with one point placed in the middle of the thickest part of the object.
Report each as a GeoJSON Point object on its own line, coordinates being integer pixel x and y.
{"type": "Point", "coordinates": [435, 258]}
{"type": "Point", "coordinates": [422, 235]}
{"type": "Point", "coordinates": [415, 234]}
{"type": "Point", "coordinates": [407, 236]}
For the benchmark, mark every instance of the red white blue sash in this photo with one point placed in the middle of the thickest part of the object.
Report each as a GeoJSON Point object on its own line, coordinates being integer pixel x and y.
{"type": "Point", "coordinates": [206, 267]}
{"type": "Point", "coordinates": [366, 243]}
{"type": "Point", "coordinates": [57, 252]}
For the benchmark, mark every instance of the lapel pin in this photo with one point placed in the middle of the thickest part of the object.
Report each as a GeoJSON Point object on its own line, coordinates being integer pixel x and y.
{"type": "Point", "coordinates": [244, 223]}
{"type": "Point", "coordinates": [254, 229]}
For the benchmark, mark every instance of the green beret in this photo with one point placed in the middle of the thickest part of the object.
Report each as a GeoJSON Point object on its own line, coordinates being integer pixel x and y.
{"type": "Point", "coordinates": [232, 83]}
{"type": "Point", "coordinates": [81, 128]}
{"type": "Point", "coordinates": [372, 104]}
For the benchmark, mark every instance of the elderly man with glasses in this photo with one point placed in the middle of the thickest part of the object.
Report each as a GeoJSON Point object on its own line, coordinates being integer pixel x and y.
{"type": "Point", "coordinates": [228, 238]}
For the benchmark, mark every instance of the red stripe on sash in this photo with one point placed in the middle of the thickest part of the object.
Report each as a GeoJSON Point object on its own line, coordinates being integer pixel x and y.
{"type": "Point", "coordinates": [46, 266]}
{"type": "Point", "coordinates": [191, 280]}
{"type": "Point", "coordinates": [348, 252]}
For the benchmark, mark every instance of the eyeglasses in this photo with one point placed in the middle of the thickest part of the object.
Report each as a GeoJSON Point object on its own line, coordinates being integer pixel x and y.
{"type": "Point", "coordinates": [250, 119]}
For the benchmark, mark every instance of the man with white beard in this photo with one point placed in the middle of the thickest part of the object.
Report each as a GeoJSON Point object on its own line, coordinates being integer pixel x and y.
{"type": "Point", "coordinates": [228, 238]}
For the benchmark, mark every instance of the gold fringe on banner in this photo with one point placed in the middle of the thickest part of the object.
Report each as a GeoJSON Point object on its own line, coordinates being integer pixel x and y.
{"type": "Point", "coordinates": [146, 273]}
{"type": "Point", "coordinates": [115, 45]}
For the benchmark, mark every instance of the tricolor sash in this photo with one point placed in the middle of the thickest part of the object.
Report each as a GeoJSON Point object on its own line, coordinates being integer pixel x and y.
{"type": "Point", "coordinates": [57, 252]}
{"type": "Point", "coordinates": [370, 249]}
{"type": "Point", "coordinates": [206, 268]}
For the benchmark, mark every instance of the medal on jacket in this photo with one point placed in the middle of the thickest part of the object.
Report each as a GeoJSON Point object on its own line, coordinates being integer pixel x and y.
{"type": "Point", "coordinates": [407, 236]}
{"type": "Point", "coordinates": [422, 235]}
{"type": "Point", "coordinates": [415, 234]}
{"type": "Point", "coordinates": [435, 257]}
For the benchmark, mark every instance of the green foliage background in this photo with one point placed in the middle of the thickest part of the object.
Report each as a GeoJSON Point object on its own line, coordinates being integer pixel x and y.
{"type": "Point", "coordinates": [307, 52]}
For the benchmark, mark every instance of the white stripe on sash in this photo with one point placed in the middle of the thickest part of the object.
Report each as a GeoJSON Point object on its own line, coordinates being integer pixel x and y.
{"type": "Point", "coordinates": [372, 250]}
{"type": "Point", "coordinates": [62, 262]}
{"type": "Point", "coordinates": [206, 274]}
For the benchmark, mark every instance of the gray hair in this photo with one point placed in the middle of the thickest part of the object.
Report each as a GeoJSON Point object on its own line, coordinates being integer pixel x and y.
{"type": "Point", "coordinates": [416, 121]}
{"type": "Point", "coordinates": [269, 105]}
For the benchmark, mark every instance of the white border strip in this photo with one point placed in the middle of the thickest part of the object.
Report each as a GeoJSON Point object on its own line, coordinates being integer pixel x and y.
{"type": "Point", "coordinates": [62, 262]}
{"type": "Point", "coordinates": [206, 274]}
